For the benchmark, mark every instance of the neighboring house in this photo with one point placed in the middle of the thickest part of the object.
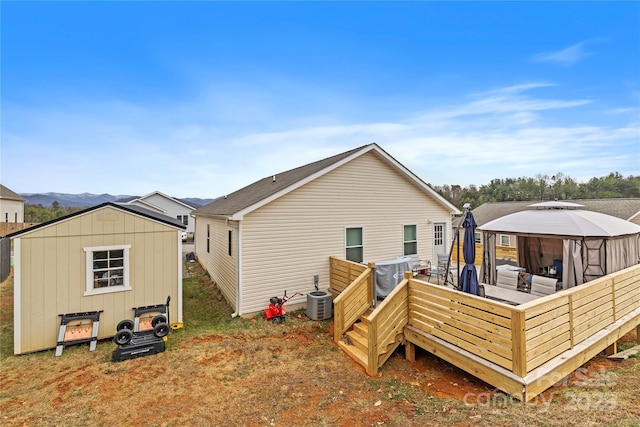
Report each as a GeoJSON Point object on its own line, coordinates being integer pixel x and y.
{"type": "Point", "coordinates": [11, 210]}
{"type": "Point", "coordinates": [168, 206]}
{"type": "Point", "coordinates": [109, 257]}
{"type": "Point", "coordinates": [278, 233]}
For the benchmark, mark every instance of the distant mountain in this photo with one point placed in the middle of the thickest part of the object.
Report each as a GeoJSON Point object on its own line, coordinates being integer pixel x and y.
{"type": "Point", "coordinates": [88, 199]}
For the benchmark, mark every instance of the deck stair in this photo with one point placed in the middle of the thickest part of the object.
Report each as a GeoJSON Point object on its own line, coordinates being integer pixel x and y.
{"type": "Point", "coordinates": [355, 343]}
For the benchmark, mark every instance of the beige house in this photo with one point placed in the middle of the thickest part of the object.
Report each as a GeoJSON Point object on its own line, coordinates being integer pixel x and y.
{"type": "Point", "coordinates": [109, 257]}
{"type": "Point", "coordinates": [278, 233]}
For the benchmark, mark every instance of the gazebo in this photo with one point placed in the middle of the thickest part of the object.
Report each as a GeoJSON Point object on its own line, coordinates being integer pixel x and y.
{"type": "Point", "coordinates": [580, 245]}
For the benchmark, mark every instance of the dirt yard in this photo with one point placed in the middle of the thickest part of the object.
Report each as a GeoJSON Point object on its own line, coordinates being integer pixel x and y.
{"type": "Point", "coordinates": [248, 372]}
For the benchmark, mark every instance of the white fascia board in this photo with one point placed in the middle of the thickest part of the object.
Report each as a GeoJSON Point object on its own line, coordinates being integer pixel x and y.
{"type": "Point", "coordinates": [168, 198]}
{"type": "Point", "coordinates": [147, 204]}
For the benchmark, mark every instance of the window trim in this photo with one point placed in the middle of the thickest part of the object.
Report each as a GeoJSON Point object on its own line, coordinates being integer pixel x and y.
{"type": "Point", "coordinates": [404, 242]}
{"type": "Point", "coordinates": [502, 236]}
{"type": "Point", "coordinates": [361, 245]}
{"type": "Point", "coordinates": [89, 289]}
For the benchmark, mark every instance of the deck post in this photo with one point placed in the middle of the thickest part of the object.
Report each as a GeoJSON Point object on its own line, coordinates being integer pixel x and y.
{"type": "Point", "coordinates": [372, 284]}
{"type": "Point", "coordinates": [518, 343]}
{"type": "Point", "coordinates": [372, 347]}
{"type": "Point", "coordinates": [612, 349]}
{"type": "Point", "coordinates": [410, 351]}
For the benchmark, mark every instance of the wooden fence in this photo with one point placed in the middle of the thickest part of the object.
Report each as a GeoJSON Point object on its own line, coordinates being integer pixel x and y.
{"type": "Point", "coordinates": [5, 258]}
{"type": "Point", "coordinates": [505, 252]}
{"type": "Point", "coordinates": [386, 325]}
{"type": "Point", "coordinates": [12, 227]}
{"type": "Point", "coordinates": [536, 343]}
{"type": "Point", "coordinates": [355, 297]}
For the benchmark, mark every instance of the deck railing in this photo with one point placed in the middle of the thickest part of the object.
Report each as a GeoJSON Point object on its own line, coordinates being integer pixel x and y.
{"type": "Point", "coordinates": [355, 298]}
{"type": "Point", "coordinates": [385, 326]}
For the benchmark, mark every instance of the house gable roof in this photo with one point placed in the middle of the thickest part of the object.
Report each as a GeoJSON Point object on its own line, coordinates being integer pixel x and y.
{"type": "Point", "coordinates": [143, 199]}
{"type": "Point", "coordinates": [136, 210]}
{"type": "Point", "coordinates": [241, 202]}
{"type": "Point", "coordinates": [7, 194]}
{"type": "Point", "coordinates": [625, 209]}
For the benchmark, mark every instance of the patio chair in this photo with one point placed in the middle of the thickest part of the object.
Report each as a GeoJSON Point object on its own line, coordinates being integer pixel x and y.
{"type": "Point", "coordinates": [507, 279]}
{"type": "Point", "coordinates": [440, 270]}
{"type": "Point", "coordinates": [543, 286]}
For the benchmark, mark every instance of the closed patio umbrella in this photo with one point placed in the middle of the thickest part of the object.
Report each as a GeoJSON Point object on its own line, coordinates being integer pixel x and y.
{"type": "Point", "coordinates": [469, 277]}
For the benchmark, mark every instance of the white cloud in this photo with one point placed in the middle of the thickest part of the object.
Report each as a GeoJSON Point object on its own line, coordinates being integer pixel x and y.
{"type": "Point", "coordinates": [566, 57]}
{"type": "Point", "coordinates": [128, 149]}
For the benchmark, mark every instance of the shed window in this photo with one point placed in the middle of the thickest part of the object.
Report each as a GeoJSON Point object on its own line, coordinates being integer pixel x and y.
{"type": "Point", "coordinates": [410, 240]}
{"type": "Point", "coordinates": [107, 269]}
{"type": "Point", "coordinates": [354, 248]}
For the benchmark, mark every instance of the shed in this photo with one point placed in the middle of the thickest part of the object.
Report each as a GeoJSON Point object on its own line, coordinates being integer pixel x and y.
{"type": "Point", "coordinates": [587, 244]}
{"type": "Point", "coordinates": [108, 258]}
{"type": "Point", "coordinates": [278, 233]}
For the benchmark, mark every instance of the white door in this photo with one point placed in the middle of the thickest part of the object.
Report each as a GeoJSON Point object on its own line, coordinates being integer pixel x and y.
{"type": "Point", "coordinates": [439, 239]}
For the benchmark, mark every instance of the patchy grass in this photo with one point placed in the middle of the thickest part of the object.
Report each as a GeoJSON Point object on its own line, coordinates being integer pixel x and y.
{"type": "Point", "coordinates": [219, 370]}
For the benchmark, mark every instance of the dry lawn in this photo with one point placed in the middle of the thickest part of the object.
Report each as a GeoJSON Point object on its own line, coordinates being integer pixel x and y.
{"type": "Point", "coordinates": [248, 372]}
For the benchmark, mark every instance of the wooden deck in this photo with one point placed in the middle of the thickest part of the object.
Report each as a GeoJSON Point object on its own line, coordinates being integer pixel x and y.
{"type": "Point", "coordinates": [522, 350]}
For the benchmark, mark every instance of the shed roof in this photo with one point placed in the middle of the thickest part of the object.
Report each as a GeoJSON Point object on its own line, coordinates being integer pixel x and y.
{"type": "Point", "coordinates": [263, 191]}
{"type": "Point", "coordinates": [137, 210]}
{"type": "Point", "coordinates": [7, 194]}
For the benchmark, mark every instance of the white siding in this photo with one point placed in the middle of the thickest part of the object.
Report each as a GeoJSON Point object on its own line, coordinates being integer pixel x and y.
{"type": "Point", "coordinates": [221, 266]}
{"type": "Point", "coordinates": [288, 241]}
{"type": "Point", "coordinates": [11, 211]}
{"type": "Point", "coordinates": [168, 207]}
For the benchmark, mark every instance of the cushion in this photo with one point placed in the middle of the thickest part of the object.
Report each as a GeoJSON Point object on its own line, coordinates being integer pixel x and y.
{"type": "Point", "coordinates": [541, 285]}
{"type": "Point", "coordinates": [507, 279]}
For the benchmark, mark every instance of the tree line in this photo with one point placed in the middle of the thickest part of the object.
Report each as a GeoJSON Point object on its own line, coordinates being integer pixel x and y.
{"type": "Point", "coordinates": [39, 214]}
{"type": "Point", "coordinates": [542, 188]}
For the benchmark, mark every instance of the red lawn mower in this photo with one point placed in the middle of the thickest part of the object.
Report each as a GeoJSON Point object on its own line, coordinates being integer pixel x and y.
{"type": "Point", "coordinates": [275, 312]}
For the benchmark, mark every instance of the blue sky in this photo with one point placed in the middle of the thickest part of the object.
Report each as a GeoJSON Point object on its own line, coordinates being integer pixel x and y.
{"type": "Point", "coordinates": [198, 99]}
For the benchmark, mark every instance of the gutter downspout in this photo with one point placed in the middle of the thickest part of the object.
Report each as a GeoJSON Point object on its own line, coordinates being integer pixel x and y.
{"type": "Point", "coordinates": [238, 272]}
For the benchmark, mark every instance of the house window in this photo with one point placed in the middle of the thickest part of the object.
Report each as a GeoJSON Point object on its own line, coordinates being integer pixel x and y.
{"type": "Point", "coordinates": [15, 218]}
{"type": "Point", "coordinates": [505, 240]}
{"type": "Point", "coordinates": [208, 236]}
{"type": "Point", "coordinates": [354, 249]}
{"type": "Point", "coordinates": [184, 219]}
{"type": "Point", "coordinates": [6, 217]}
{"type": "Point", "coordinates": [230, 240]}
{"type": "Point", "coordinates": [107, 269]}
{"type": "Point", "coordinates": [477, 237]}
{"type": "Point", "coordinates": [410, 240]}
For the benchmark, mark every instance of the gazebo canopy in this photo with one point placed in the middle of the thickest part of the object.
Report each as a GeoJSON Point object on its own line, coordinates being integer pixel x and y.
{"type": "Point", "coordinates": [590, 244]}
{"type": "Point", "coordinates": [561, 219]}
